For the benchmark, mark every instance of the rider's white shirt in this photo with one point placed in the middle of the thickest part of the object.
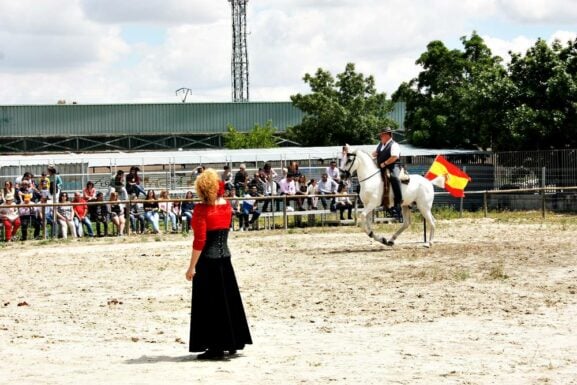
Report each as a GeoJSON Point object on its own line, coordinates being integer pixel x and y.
{"type": "Point", "coordinates": [395, 148]}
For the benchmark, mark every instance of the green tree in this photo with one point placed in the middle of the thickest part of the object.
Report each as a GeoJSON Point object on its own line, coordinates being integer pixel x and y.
{"type": "Point", "coordinates": [258, 137]}
{"type": "Point", "coordinates": [543, 107]}
{"type": "Point", "coordinates": [347, 109]}
{"type": "Point", "coordinates": [457, 98]}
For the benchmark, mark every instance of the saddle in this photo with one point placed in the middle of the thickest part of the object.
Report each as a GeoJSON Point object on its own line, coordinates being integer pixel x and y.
{"type": "Point", "coordinates": [404, 177]}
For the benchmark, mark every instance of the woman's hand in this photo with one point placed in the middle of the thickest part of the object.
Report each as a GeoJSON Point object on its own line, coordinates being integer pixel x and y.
{"type": "Point", "coordinates": [190, 273]}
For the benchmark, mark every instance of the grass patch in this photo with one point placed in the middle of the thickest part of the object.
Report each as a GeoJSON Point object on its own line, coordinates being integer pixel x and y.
{"type": "Point", "coordinates": [497, 271]}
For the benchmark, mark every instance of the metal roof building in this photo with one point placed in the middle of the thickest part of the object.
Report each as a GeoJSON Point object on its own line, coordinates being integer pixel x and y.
{"type": "Point", "coordinates": [139, 127]}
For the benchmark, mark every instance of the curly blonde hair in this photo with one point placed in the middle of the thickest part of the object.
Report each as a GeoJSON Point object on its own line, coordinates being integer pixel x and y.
{"type": "Point", "coordinates": [206, 186]}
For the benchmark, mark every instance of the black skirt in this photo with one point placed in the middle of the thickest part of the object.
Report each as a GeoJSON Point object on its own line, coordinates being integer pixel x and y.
{"type": "Point", "coordinates": [217, 319]}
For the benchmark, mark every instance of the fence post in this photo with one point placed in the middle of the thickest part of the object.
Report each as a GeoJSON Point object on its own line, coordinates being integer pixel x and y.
{"type": "Point", "coordinates": [485, 202]}
{"type": "Point", "coordinates": [543, 192]}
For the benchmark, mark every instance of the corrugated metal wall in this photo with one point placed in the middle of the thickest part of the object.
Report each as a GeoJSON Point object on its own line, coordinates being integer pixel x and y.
{"type": "Point", "coordinates": [148, 119]}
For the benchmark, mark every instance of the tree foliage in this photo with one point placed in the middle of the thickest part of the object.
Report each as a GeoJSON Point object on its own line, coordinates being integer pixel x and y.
{"type": "Point", "coordinates": [468, 98]}
{"type": "Point", "coordinates": [258, 137]}
{"type": "Point", "coordinates": [347, 109]}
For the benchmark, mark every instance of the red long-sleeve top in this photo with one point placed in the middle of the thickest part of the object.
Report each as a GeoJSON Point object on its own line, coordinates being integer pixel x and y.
{"type": "Point", "coordinates": [209, 217]}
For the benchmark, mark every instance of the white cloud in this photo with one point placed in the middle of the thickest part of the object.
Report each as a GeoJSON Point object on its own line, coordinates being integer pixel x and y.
{"type": "Point", "coordinates": [86, 51]}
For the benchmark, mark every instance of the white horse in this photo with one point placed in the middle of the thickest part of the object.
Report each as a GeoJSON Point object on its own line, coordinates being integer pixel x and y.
{"type": "Point", "coordinates": [419, 190]}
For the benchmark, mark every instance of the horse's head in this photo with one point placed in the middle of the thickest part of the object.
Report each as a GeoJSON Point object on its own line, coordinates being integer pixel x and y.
{"type": "Point", "coordinates": [348, 165]}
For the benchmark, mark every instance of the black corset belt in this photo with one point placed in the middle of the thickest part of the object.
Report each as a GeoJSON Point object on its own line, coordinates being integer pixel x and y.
{"type": "Point", "coordinates": [216, 245]}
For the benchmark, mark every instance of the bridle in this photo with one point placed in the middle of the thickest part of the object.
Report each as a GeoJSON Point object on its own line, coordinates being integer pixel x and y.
{"type": "Point", "coordinates": [347, 173]}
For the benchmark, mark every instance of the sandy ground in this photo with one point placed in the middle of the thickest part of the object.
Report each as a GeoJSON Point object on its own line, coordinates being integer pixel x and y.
{"type": "Point", "coordinates": [493, 302]}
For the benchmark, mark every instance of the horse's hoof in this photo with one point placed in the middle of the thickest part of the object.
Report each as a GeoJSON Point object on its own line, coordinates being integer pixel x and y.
{"type": "Point", "coordinates": [428, 245]}
{"type": "Point", "coordinates": [390, 243]}
{"type": "Point", "coordinates": [383, 240]}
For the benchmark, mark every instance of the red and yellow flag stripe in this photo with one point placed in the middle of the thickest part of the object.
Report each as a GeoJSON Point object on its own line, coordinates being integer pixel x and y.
{"type": "Point", "coordinates": [456, 178]}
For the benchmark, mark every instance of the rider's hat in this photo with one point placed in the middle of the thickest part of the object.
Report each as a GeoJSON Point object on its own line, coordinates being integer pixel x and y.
{"type": "Point", "coordinates": [386, 130]}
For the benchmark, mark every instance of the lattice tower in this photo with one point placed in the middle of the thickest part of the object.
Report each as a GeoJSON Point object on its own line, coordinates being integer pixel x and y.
{"type": "Point", "coordinates": [239, 63]}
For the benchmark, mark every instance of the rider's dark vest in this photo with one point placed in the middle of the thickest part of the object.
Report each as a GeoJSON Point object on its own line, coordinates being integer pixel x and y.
{"type": "Point", "coordinates": [384, 153]}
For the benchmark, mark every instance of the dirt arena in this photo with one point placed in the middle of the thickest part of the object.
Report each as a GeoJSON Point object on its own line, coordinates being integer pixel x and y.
{"type": "Point", "coordinates": [492, 302]}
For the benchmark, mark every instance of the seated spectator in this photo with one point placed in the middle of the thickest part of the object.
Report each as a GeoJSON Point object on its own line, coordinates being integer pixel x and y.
{"type": "Point", "coordinates": [99, 214]}
{"type": "Point", "coordinates": [7, 189]}
{"type": "Point", "coordinates": [344, 203]}
{"type": "Point", "coordinates": [65, 217]}
{"type": "Point", "coordinates": [9, 217]}
{"type": "Point", "coordinates": [116, 210]}
{"type": "Point", "coordinates": [293, 168]}
{"type": "Point", "coordinates": [89, 192]}
{"type": "Point", "coordinates": [117, 184]}
{"type": "Point", "coordinates": [137, 221]}
{"type": "Point", "coordinates": [312, 189]}
{"type": "Point", "coordinates": [333, 172]}
{"type": "Point", "coordinates": [81, 217]}
{"type": "Point", "coordinates": [249, 207]}
{"type": "Point", "coordinates": [165, 209]}
{"type": "Point", "coordinates": [28, 216]}
{"type": "Point", "coordinates": [44, 183]}
{"type": "Point", "coordinates": [234, 204]}
{"type": "Point", "coordinates": [133, 185]}
{"type": "Point", "coordinates": [241, 180]}
{"type": "Point", "coordinates": [151, 211]}
{"type": "Point", "coordinates": [327, 186]}
{"type": "Point", "coordinates": [186, 209]}
{"type": "Point", "coordinates": [287, 187]}
{"type": "Point", "coordinates": [227, 178]}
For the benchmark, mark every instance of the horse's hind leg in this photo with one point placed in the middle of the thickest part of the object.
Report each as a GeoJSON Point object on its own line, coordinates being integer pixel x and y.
{"type": "Point", "coordinates": [430, 220]}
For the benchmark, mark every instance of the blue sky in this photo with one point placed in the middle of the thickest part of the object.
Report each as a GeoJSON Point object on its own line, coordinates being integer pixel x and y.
{"type": "Point", "coordinates": [142, 51]}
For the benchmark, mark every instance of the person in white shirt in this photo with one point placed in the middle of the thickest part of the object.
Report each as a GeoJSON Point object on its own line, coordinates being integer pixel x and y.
{"type": "Point", "coordinates": [327, 186]}
{"type": "Point", "coordinates": [333, 172]}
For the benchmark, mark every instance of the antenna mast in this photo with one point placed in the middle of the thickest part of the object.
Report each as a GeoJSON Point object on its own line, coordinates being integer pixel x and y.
{"type": "Point", "coordinates": [239, 63]}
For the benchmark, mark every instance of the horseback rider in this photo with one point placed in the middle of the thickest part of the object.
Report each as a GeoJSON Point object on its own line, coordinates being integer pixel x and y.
{"type": "Point", "coordinates": [388, 155]}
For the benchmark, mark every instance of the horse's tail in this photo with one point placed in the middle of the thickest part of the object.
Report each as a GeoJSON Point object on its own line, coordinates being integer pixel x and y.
{"type": "Point", "coordinates": [440, 180]}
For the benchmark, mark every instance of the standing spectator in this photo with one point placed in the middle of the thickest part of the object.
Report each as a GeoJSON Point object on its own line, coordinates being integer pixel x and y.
{"type": "Point", "coordinates": [99, 214]}
{"type": "Point", "coordinates": [186, 209]}
{"type": "Point", "coordinates": [9, 217]}
{"type": "Point", "coordinates": [44, 215]}
{"type": "Point", "coordinates": [65, 217]}
{"type": "Point", "coordinates": [81, 217]}
{"type": "Point", "coordinates": [89, 192]}
{"type": "Point", "coordinates": [133, 185]}
{"type": "Point", "coordinates": [241, 180]}
{"type": "Point", "coordinates": [151, 211]}
{"type": "Point", "coordinates": [117, 213]}
{"type": "Point", "coordinates": [28, 216]}
{"type": "Point", "coordinates": [55, 181]}
{"type": "Point", "coordinates": [333, 172]}
{"type": "Point", "coordinates": [293, 169]}
{"type": "Point", "coordinates": [327, 186]}
{"type": "Point", "coordinates": [165, 209]}
{"type": "Point", "coordinates": [270, 187]}
{"type": "Point", "coordinates": [218, 321]}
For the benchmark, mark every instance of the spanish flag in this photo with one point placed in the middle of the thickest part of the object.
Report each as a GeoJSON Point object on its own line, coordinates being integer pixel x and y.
{"type": "Point", "coordinates": [456, 178]}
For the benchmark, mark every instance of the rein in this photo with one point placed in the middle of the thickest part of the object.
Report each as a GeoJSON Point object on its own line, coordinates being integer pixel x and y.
{"type": "Point", "coordinates": [348, 172]}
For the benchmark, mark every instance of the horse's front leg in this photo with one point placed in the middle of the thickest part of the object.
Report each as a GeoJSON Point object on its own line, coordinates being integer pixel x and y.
{"type": "Point", "coordinates": [406, 224]}
{"type": "Point", "coordinates": [366, 219]}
